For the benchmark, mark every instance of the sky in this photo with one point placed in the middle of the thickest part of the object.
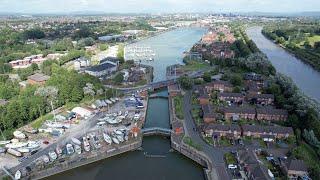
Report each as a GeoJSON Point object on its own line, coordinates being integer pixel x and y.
{"type": "Point", "coordinates": [157, 6]}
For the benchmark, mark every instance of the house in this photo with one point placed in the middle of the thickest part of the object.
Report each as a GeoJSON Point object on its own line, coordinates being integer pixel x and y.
{"type": "Point", "coordinates": [271, 114]}
{"type": "Point", "coordinates": [258, 131]}
{"type": "Point", "coordinates": [251, 166]}
{"type": "Point", "coordinates": [81, 63]}
{"type": "Point", "coordinates": [37, 78]}
{"type": "Point", "coordinates": [222, 86]}
{"type": "Point", "coordinates": [174, 90]}
{"type": "Point", "coordinates": [203, 97]}
{"type": "Point", "coordinates": [27, 61]}
{"type": "Point", "coordinates": [207, 113]}
{"type": "Point", "coordinates": [102, 69]}
{"type": "Point", "coordinates": [263, 99]}
{"type": "Point", "coordinates": [236, 113]}
{"type": "Point", "coordinates": [231, 131]}
{"type": "Point", "coordinates": [294, 168]}
{"type": "Point", "coordinates": [231, 97]}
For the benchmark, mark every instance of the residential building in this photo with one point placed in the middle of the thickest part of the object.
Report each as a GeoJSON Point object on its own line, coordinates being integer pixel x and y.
{"type": "Point", "coordinates": [203, 97]}
{"type": "Point", "coordinates": [102, 69]}
{"type": "Point", "coordinates": [231, 131]}
{"type": "Point", "coordinates": [81, 63]}
{"type": "Point", "coordinates": [37, 78]}
{"type": "Point", "coordinates": [236, 113]}
{"type": "Point", "coordinates": [27, 61]}
{"type": "Point", "coordinates": [222, 86]}
{"type": "Point", "coordinates": [231, 97]}
{"type": "Point", "coordinates": [263, 99]}
{"type": "Point", "coordinates": [294, 168]}
{"type": "Point", "coordinates": [208, 114]}
{"type": "Point", "coordinates": [258, 131]}
{"type": "Point", "coordinates": [271, 114]}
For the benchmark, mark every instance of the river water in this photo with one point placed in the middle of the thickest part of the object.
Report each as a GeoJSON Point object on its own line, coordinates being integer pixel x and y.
{"type": "Point", "coordinates": [305, 77]}
{"type": "Point", "coordinates": [135, 165]}
{"type": "Point", "coordinates": [169, 48]}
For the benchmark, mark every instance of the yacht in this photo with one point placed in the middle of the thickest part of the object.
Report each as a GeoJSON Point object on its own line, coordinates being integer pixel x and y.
{"type": "Point", "coordinates": [115, 140]}
{"type": "Point", "coordinates": [120, 138]}
{"type": "Point", "coordinates": [70, 149]}
{"type": "Point", "coordinates": [77, 149]}
{"type": "Point", "coordinates": [53, 156]}
{"type": "Point", "coordinates": [86, 144]}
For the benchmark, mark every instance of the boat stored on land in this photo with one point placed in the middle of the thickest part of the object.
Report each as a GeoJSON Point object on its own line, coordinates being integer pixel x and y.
{"type": "Point", "coordinates": [70, 149]}
{"type": "Point", "coordinates": [76, 141]}
{"type": "Point", "coordinates": [107, 138]}
{"type": "Point", "coordinates": [19, 135]}
{"type": "Point", "coordinates": [14, 152]}
{"type": "Point", "coordinates": [115, 140]}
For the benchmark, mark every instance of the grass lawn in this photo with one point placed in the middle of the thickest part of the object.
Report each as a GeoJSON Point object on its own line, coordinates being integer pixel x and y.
{"type": "Point", "coordinates": [224, 142]}
{"type": "Point", "coordinates": [314, 39]}
{"type": "Point", "coordinates": [195, 65]}
{"type": "Point", "coordinates": [230, 159]}
{"type": "Point", "coordinates": [189, 141]}
{"type": "Point", "coordinates": [178, 106]}
{"type": "Point", "coordinates": [38, 122]}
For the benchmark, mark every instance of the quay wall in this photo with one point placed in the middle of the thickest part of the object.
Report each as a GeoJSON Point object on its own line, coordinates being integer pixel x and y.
{"type": "Point", "coordinates": [77, 162]}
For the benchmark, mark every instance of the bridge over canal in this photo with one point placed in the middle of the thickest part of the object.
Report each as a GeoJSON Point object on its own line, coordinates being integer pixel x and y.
{"type": "Point", "coordinates": [156, 131]}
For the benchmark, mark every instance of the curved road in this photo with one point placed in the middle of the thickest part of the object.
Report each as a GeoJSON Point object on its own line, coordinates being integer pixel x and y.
{"type": "Point", "coordinates": [216, 155]}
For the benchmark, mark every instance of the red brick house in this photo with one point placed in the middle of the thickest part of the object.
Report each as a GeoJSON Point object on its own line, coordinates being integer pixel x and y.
{"type": "Point", "coordinates": [38, 78]}
{"type": "Point", "coordinates": [271, 114]}
{"type": "Point", "coordinates": [218, 130]}
{"type": "Point", "coordinates": [294, 168]}
{"type": "Point", "coordinates": [263, 99]}
{"type": "Point", "coordinates": [222, 86]}
{"type": "Point", "coordinates": [231, 97]}
{"type": "Point", "coordinates": [203, 96]}
{"type": "Point", "coordinates": [258, 131]}
{"type": "Point", "coordinates": [235, 113]}
{"type": "Point", "coordinates": [207, 113]}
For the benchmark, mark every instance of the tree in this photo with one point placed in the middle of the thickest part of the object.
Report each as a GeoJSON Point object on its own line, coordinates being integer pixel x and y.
{"type": "Point", "coordinates": [118, 78]}
{"type": "Point", "coordinates": [236, 80]}
{"type": "Point", "coordinates": [185, 82]}
{"type": "Point", "coordinates": [120, 54]}
{"type": "Point", "coordinates": [207, 77]}
{"type": "Point", "coordinates": [33, 34]}
{"type": "Point", "coordinates": [103, 47]}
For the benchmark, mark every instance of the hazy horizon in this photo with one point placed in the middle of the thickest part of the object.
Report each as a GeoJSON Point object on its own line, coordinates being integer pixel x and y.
{"type": "Point", "coordinates": [159, 6]}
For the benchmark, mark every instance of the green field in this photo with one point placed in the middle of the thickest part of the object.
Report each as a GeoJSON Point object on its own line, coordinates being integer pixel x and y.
{"type": "Point", "coordinates": [314, 39]}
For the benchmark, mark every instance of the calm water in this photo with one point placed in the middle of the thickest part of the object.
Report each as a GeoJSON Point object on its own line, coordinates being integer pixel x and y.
{"type": "Point", "coordinates": [135, 165]}
{"type": "Point", "coordinates": [305, 77]}
{"type": "Point", "coordinates": [169, 47]}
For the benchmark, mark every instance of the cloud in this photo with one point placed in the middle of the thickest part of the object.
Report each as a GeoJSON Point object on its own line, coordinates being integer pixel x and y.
{"type": "Point", "coordinates": [42, 6]}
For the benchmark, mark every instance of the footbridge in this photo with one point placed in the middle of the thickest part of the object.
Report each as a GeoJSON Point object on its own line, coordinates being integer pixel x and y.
{"type": "Point", "coordinates": [156, 131]}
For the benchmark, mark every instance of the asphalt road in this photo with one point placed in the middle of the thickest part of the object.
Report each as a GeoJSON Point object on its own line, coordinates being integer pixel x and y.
{"type": "Point", "coordinates": [215, 154]}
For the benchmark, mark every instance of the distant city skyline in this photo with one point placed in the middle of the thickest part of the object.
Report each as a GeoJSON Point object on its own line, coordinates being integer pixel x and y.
{"type": "Point", "coordinates": [157, 6]}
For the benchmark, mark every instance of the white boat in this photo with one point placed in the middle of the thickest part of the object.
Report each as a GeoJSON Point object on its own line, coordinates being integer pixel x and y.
{"type": "Point", "coordinates": [115, 140]}
{"type": "Point", "coordinates": [101, 123]}
{"type": "Point", "coordinates": [108, 101]}
{"type": "Point", "coordinates": [16, 145]}
{"type": "Point", "coordinates": [53, 156]}
{"type": "Point", "coordinates": [77, 149]}
{"type": "Point", "coordinates": [86, 144]}
{"type": "Point", "coordinates": [23, 150]}
{"type": "Point", "coordinates": [54, 124]}
{"type": "Point", "coordinates": [118, 132]}
{"type": "Point", "coordinates": [17, 175]}
{"type": "Point", "coordinates": [19, 135]}
{"type": "Point", "coordinates": [33, 145]}
{"type": "Point", "coordinates": [120, 138]}
{"type": "Point", "coordinates": [119, 113]}
{"type": "Point", "coordinates": [126, 137]}
{"type": "Point", "coordinates": [107, 138]}
{"type": "Point", "coordinates": [4, 142]}
{"type": "Point", "coordinates": [70, 149]}
{"type": "Point", "coordinates": [45, 158]}
{"type": "Point", "coordinates": [14, 152]}
{"type": "Point", "coordinates": [113, 100]}
{"type": "Point", "coordinates": [76, 141]}
{"type": "Point", "coordinates": [14, 140]}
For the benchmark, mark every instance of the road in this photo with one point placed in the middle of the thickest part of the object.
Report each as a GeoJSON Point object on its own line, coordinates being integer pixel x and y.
{"type": "Point", "coordinates": [215, 154]}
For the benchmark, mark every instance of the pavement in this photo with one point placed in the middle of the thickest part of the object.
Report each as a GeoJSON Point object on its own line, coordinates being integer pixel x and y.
{"type": "Point", "coordinates": [216, 155]}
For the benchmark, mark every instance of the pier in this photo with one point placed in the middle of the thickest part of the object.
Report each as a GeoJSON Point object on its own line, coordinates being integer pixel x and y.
{"type": "Point", "coordinates": [139, 53]}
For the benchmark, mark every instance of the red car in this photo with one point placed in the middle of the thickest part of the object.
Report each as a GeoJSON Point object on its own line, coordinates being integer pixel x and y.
{"type": "Point", "coordinates": [45, 142]}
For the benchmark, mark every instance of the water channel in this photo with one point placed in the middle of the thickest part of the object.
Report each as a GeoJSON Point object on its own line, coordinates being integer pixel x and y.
{"type": "Point", "coordinates": [135, 165]}
{"type": "Point", "coordinates": [305, 77]}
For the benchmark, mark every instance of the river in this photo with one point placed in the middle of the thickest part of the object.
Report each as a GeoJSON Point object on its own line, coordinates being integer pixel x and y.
{"type": "Point", "coordinates": [135, 165]}
{"type": "Point", "coordinates": [169, 48]}
{"type": "Point", "coordinates": [306, 78]}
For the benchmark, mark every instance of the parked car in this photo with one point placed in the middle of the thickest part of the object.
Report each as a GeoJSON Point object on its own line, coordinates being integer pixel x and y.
{"type": "Point", "coordinates": [232, 166]}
